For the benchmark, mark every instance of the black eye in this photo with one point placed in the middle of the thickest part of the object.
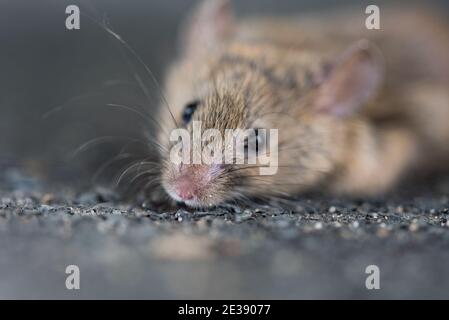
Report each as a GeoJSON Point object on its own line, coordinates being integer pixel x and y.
{"type": "Point", "coordinates": [189, 110]}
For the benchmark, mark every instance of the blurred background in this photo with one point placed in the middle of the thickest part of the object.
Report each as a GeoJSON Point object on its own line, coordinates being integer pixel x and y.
{"type": "Point", "coordinates": [55, 83]}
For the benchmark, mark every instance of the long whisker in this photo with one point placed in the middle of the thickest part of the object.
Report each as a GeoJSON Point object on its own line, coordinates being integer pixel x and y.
{"type": "Point", "coordinates": [103, 167]}
{"type": "Point", "coordinates": [138, 186]}
{"type": "Point", "coordinates": [99, 140]}
{"type": "Point", "coordinates": [151, 182]}
{"type": "Point", "coordinates": [140, 61]}
{"type": "Point", "coordinates": [68, 103]}
{"type": "Point", "coordinates": [240, 168]}
{"type": "Point", "coordinates": [148, 118]}
{"type": "Point", "coordinates": [142, 174]}
{"type": "Point", "coordinates": [140, 163]}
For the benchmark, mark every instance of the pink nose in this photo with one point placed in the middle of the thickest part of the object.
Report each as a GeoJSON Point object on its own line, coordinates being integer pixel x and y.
{"type": "Point", "coordinates": [184, 190]}
{"type": "Point", "coordinates": [193, 181]}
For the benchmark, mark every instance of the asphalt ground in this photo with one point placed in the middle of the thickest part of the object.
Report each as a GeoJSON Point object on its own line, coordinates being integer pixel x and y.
{"type": "Point", "coordinates": [311, 247]}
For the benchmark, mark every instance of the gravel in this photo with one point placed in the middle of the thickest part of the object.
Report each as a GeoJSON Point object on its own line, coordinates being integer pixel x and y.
{"type": "Point", "coordinates": [313, 247]}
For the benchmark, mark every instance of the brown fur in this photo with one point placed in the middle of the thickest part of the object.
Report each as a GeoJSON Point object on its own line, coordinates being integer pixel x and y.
{"type": "Point", "coordinates": [284, 73]}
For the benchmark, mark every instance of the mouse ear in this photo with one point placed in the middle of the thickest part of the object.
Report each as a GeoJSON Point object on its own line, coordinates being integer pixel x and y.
{"type": "Point", "coordinates": [352, 80]}
{"type": "Point", "coordinates": [210, 24]}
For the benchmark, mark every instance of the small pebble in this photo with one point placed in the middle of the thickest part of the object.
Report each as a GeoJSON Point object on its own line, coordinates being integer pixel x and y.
{"type": "Point", "coordinates": [318, 225]}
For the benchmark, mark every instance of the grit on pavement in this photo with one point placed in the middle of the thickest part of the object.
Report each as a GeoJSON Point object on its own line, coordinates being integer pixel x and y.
{"type": "Point", "coordinates": [313, 247]}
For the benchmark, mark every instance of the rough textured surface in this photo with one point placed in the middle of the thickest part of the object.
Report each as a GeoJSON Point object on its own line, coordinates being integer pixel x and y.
{"type": "Point", "coordinates": [309, 248]}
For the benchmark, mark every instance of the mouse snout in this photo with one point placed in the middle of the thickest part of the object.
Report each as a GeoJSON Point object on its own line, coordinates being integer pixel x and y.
{"type": "Point", "coordinates": [185, 189]}
{"type": "Point", "coordinates": [193, 183]}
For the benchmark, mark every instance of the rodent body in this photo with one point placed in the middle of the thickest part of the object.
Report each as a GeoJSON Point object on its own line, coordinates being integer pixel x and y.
{"type": "Point", "coordinates": [355, 108]}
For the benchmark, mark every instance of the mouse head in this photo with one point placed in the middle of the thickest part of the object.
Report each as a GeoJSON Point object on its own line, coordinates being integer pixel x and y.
{"type": "Point", "coordinates": [242, 123]}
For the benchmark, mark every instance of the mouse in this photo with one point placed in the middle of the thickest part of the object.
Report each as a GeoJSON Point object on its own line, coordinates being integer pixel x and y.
{"type": "Point", "coordinates": [355, 110]}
